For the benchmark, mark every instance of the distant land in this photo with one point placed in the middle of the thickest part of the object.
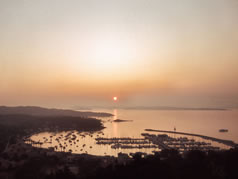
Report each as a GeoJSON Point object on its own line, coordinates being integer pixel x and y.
{"type": "Point", "coordinates": [171, 108]}
{"type": "Point", "coordinates": [152, 108]}
{"type": "Point", "coordinates": [40, 111]}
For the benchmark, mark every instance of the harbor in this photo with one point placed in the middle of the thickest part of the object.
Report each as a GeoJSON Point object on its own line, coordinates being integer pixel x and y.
{"type": "Point", "coordinates": [137, 136]}
{"type": "Point", "coordinates": [160, 142]}
{"type": "Point", "coordinates": [182, 144]}
{"type": "Point", "coordinates": [222, 141]}
{"type": "Point", "coordinates": [99, 144]}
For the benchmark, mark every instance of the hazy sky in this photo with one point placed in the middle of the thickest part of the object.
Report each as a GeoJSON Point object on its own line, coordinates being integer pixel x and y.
{"type": "Point", "coordinates": [146, 52]}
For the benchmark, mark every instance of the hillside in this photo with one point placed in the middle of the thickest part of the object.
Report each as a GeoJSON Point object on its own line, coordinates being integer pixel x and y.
{"type": "Point", "coordinates": [39, 111]}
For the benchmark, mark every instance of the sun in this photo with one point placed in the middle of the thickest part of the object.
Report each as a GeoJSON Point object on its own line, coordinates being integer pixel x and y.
{"type": "Point", "coordinates": [115, 98]}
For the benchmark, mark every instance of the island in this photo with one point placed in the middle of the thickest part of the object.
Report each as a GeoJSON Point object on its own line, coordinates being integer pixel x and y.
{"type": "Point", "coordinates": [223, 130]}
{"type": "Point", "coordinates": [121, 120]}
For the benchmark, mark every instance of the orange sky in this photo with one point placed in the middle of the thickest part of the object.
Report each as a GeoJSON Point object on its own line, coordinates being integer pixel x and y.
{"type": "Point", "coordinates": [67, 53]}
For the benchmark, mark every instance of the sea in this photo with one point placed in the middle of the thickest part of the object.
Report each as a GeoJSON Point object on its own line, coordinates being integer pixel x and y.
{"type": "Point", "coordinates": [203, 122]}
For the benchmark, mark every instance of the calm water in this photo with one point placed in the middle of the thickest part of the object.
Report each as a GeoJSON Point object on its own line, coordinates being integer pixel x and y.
{"type": "Point", "coordinates": [198, 122]}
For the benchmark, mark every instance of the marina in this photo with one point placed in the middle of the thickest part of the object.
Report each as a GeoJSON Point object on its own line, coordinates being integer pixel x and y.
{"type": "Point", "coordinates": [181, 144]}
{"type": "Point", "coordinates": [162, 141]}
{"type": "Point", "coordinates": [74, 142]}
{"type": "Point", "coordinates": [225, 142]}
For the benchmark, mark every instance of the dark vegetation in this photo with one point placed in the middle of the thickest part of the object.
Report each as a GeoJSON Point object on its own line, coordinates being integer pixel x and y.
{"type": "Point", "coordinates": [49, 167]}
{"type": "Point", "coordinates": [166, 165]}
{"type": "Point", "coordinates": [13, 126]}
{"type": "Point", "coordinates": [171, 165]}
